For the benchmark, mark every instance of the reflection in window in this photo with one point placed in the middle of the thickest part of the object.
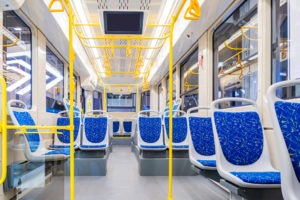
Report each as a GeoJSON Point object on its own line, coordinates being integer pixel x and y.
{"type": "Point", "coordinates": [160, 97]}
{"type": "Point", "coordinates": [174, 86]}
{"type": "Point", "coordinates": [97, 100]}
{"type": "Point", "coordinates": [17, 58]}
{"type": "Point", "coordinates": [235, 54]}
{"type": "Point", "coordinates": [54, 82]}
{"type": "Point", "coordinates": [75, 79]}
{"type": "Point", "coordinates": [189, 74]}
{"type": "Point", "coordinates": [281, 66]}
{"type": "Point", "coordinates": [121, 102]}
{"type": "Point", "coordinates": [145, 100]}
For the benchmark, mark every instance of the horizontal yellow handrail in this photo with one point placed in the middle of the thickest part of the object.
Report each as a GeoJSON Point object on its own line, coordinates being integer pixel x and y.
{"type": "Point", "coordinates": [234, 48]}
{"type": "Point", "coordinates": [4, 130]}
{"type": "Point", "coordinates": [26, 132]}
{"type": "Point", "coordinates": [12, 127]}
{"type": "Point", "coordinates": [12, 44]}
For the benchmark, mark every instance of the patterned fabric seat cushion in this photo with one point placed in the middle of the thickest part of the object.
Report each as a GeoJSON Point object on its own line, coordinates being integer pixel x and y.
{"type": "Point", "coordinates": [208, 163]}
{"type": "Point", "coordinates": [258, 177]}
{"type": "Point", "coordinates": [93, 146]}
{"type": "Point", "coordinates": [150, 129]}
{"type": "Point", "coordinates": [180, 146]}
{"type": "Point", "coordinates": [65, 136]}
{"type": "Point", "coordinates": [59, 151]}
{"type": "Point", "coordinates": [127, 126]}
{"type": "Point", "coordinates": [24, 118]}
{"type": "Point", "coordinates": [240, 135]}
{"type": "Point", "coordinates": [153, 146]}
{"type": "Point", "coordinates": [288, 115]}
{"type": "Point", "coordinates": [179, 128]}
{"type": "Point", "coordinates": [95, 129]}
{"type": "Point", "coordinates": [202, 135]}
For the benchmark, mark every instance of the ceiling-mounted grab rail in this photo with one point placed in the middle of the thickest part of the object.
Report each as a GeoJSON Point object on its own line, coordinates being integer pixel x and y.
{"type": "Point", "coordinates": [51, 4]}
{"type": "Point", "coordinates": [194, 11]}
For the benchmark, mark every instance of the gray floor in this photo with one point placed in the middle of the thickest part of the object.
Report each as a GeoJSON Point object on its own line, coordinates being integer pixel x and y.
{"type": "Point", "coordinates": [124, 183]}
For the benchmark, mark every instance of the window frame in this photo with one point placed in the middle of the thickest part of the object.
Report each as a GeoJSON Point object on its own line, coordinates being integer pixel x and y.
{"type": "Point", "coordinates": [134, 107]}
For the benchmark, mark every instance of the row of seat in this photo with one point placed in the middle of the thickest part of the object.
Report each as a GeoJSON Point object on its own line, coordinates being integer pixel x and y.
{"type": "Point", "coordinates": [233, 142]}
{"type": "Point", "coordinates": [95, 134]}
{"type": "Point", "coordinates": [126, 129]}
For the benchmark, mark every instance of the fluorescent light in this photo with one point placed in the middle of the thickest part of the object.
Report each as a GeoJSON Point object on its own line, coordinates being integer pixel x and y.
{"type": "Point", "coordinates": [18, 28]}
{"type": "Point", "coordinates": [56, 73]}
{"type": "Point", "coordinates": [24, 79]}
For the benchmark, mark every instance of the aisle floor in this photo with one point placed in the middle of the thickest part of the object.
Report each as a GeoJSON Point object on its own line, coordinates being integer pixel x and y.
{"type": "Point", "coordinates": [123, 182]}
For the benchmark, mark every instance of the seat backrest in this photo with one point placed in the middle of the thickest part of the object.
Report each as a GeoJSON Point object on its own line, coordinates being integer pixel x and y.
{"type": "Point", "coordinates": [127, 126]}
{"type": "Point", "coordinates": [21, 116]}
{"type": "Point", "coordinates": [116, 126]}
{"type": "Point", "coordinates": [201, 132]}
{"type": "Point", "coordinates": [180, 128]}
{"type": "Point", "coordinates": [95, 127]}
{"type": "Point", "coordinates": [286, 120]}
{"type": "Point", "coordinates": [239, 136]}
{"type": "Point", "coordinates": [65, 121]}
{"type": "Point", "coordinates": [149, 127]}
{"type": "Point", "coordinates": [77, 112]}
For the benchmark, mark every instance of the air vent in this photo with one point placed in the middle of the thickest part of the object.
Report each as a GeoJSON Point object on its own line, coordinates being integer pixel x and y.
{"type": "Point", "coordinates": [123, 22]}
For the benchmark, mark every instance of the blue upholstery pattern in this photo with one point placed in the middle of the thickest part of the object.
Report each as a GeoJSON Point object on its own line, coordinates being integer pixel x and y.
{"type": "Point", "coordinates": [54, 146]}
{"type": "Point", "coordinates": [258, 177]}
{"type": "Point", "coordinates": [65, 136]}
{"type": "Point", "coordinates": [240, 135]}
{"type": "Point", "coordinates": [208, 163]}
{"type": "Point", "coordinates": [127, 126]}
{"type": "Point", "coordinates": [59, 151]}
{"type": "Point", "coordinates": [179, 128]}
{"type": "Point", "coordinates": [95, 129]}
{"type": "Point", "coordinates": [180, 146]}
{"type": "Point", "coordinates": [202, 135]}
{"type": "Point", "coordinates": [288, 115]}
{"type": "Point", "coordinates": [24, 118]}
{"type": "Point", "coordinates": [153, 146]}
{"type": "Point", "coordinates": [93, 146]}
{"type": "Point", "coordinates": [116, 125]}
{"type": "Point", "coordinates": [150, 128]}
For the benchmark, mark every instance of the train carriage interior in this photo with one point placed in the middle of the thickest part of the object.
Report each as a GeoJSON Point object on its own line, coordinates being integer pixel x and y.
{"type": "Point", "coordinates": [150, 99]}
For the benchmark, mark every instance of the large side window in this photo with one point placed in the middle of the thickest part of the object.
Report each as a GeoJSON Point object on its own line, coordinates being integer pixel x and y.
{"type": "Point", "coordinates": [235, 48]}
{"type": "Point", "coordinates": [160, 97]}
{"type": "Point", "coordinates": [189, 79]}
{"type": "Point", "coordinates": [54, 82]}
{"type": "Point", "coordinates": [121, 102]}
{"type": "Point", "coordinates": [145, 100]}
{"type": "Point", "coordinates": [17, 57]}
{"type": "Point", "coordinates": [285, 42]}
{"type": "Point", "coordinates": [97, 100]}
{"type": "Point", "coordinates": [174, 86]}
{"type": "Point", "coordinates": [75, 79]}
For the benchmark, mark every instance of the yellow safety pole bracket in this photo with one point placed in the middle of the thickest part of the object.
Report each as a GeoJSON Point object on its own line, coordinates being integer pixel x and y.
{"type": "Point", "coordinates": [4, 131]}
{"type": "Point", "coordinates": [51, 4]}
{"type": "Point", "coordinates": [193, 12]}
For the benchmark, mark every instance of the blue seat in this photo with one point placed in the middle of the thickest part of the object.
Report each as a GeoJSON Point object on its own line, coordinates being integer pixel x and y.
{"type": "Point", "coordinates": [63, 140]}
{"type": "Point", "coordinates": [202, 147]}
{"type": "Point", "coordinates": [180, 132]}
{"type": "Point", "coordinates": [36, 150]}
{"type": "Point", "coordinates": [286, 120]}
{"type": "Point", "coordinates": [242, 153]}
{"type": "Point", "coordinates": [149, 132]}
{"type": "Point", "coordinates": [116, 127]}
{"type": "Point", "coordinates": [127, 127]}
{"type": "Point", "coordinates": [95, 131]}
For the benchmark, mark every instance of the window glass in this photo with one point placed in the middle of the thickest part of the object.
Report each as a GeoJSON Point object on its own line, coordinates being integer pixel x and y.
{"type": "Point", "coordinates": [145, 100]}
{"type": "Point", "coordinates": [189, 79]}
{"type": "Point", "coordinates": [160, 97]}
{"type": "Point", "coordinates": [121, 102]}
{"type": "Point", "coordinates": [54, 82]}
{"type": "Point", "coordinates": [17, 58]}
{"type": "Point", "coordinates": [82, 99]}
{"type": "Point", "coordinates": [97, 100]}
{"type": "Point", "coordinates": [235, 47]}
{"type": "Point", "coordinates": [283, 42]}
{"type": "Point", "coordinates": [174, 86]}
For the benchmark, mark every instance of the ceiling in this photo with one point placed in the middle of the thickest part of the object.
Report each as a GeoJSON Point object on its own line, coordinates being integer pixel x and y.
{"type": "Point", "coordinates": [122, 65]}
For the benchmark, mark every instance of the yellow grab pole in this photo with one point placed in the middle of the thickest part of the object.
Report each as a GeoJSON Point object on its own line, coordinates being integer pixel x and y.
{"type": "Point", "coordinates": [4, 132]}
{"type": "Point", "coordinates": [72, 86]}
{"type": "Point", "coordinates": [104, 99]}
{"type": "Point", "coordinates": [170, 193]}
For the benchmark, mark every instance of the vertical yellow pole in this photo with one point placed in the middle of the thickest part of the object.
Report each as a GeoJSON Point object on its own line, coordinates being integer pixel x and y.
{"type": "Point", "coordinates": [104, 99]}
{"type": "Point", "coordinates": [170, 193]}
{"type": "Point", "coordinates": [72, 86]}
{"type": "Point", "coordinates": [137, 100]}
{"type": "Point", "coordinates": [4, 131]}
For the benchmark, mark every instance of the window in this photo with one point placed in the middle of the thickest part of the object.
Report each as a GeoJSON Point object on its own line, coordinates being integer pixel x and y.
{"type": "Point", "coordinates": [82, 99]}
{"type": "Point", "coordinates": [189, 79]}
{"type": "Point", "coordinates": [121, 102]}
{"type": "Point", "coordinates": [97, 100]}
{"type": "Point", "coordinates": [75, 91]}
{"type": "Point", "coordinates": [174, 86]}
{"type": "Point", "coordinates": [160, 97]}
{"type": "Point", "coordinates": [17, 58]}
{"type": "Point", "coordinates": [145, 100]}
{"type": "Point", "coordinates": [285, 34]}
{"type": "Point", "coordinates": [54, 82]}
{"type": "Point", "coordinates": [235, 47]}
